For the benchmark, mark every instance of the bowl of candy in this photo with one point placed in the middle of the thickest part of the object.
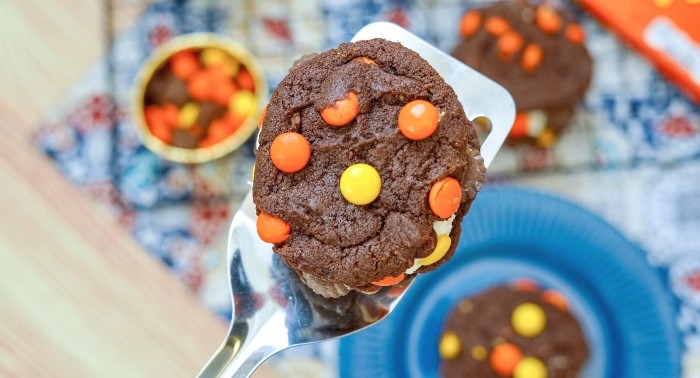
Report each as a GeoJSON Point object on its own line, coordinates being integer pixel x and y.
{"type": "Point", "coordinates": [197, 98]}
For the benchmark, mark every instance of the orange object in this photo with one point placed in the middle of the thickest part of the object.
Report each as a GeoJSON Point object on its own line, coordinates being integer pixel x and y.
{"type": "Point", "coordinates": [389, 280]}
{"type": "Point", "coordinates": [519, 128]}
{"type": "Point", "coordinates": [233, 121]}
{"type": "Point", "coordinates": [218, 131]}
{"type": "Point", "coordinates": [418, 119]}
{"type": "Point", "coordinates": [184, 64]}
{"type": "Point", "coordinates": [261, 118]}
{"type": "Point", "coordinates": [162, 132]}
{"type": "Point", "coordinates": [508, 44]}
{"type": "Point", "coordinates": [217, 74]}
{"type": "Point", "coordinates": [525, 284]}
{"type": "Point", "coordinates": [272, 229]}
{"type": "Point", "coordinates": [171, 114]}
{"type": "Point", "coordinates": [153, 114]}
{"type": "Point", "coordinates": [575, 33]}
{"type": "Point", "coordinates": [532, 57]}
{"type": "Point", "coordinates": [199, 86]}
{"type": "Point", "coordinates": [669, 36]}
{"type": "Point", "coordinates": [445, 197]}
{"type": "Point", "coordinates": [222, 91]}
{"type": "Point", "coordinates": [547, 19]}
{"type": "Point", "coordinates": [290, 152]}
{"type": "Point", "coordinates": [470, 23]}
{"type": "Point", "coordinates": [206, 142]}
{"type": "Point", "coordinates": [245, 80]}
{"type": "Point", "coordinates": [496, 25]}
{"type": "Point", "coordinates": [343, 111]}
{"type": "Point", "coordinates": [504, 357]}
{"type": "Point", "coordinates": [556, 299]}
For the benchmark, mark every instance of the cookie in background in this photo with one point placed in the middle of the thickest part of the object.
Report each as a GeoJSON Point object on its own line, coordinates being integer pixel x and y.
{"type": "Point", "coordinates": [519, 330]}
{"type": "Point", "coordinates": [537, 52]}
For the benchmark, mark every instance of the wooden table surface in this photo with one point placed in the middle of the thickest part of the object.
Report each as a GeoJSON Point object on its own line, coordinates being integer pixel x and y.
{"type": "Point", "coordinates": [78, 297]}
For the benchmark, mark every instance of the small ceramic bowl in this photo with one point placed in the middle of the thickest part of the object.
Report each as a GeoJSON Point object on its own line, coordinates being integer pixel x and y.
{"type": "Point", "coordinates": [197, 98]}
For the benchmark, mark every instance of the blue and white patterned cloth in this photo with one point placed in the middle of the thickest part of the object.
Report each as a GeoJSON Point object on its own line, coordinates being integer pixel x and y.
{"type": "Point", "coordinates": [633, 148]}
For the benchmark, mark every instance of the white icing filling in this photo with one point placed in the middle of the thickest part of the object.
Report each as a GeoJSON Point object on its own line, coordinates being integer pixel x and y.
{"type": "Point", "coordinates": [443, 227]}
{"type": "Point", "coordinates": [537, 121]}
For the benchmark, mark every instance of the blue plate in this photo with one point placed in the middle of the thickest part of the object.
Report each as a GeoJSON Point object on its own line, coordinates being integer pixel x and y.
{"type": "Point", "coordinates": [621, 302]}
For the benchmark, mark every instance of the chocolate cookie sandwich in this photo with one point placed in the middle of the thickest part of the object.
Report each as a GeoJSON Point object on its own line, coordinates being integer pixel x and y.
{"type": "Point", "coordinates": [537, 53]}
{"type": "Point", "coordinates": [513, 331]}
{"type": "Point", "coordinates": [365, 166]}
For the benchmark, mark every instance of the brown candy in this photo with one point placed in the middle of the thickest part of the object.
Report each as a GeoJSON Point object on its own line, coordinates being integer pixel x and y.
{"type": "Point", "coordinates": [164, 88]}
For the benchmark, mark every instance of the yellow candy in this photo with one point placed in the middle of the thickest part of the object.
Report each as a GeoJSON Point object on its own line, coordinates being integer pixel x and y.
{"type": "Point", "coordinates": [360, 184]}
{"type": "Point", "coordinates": [441, 247]}
{"type": "Point", "coordinates": [242, 103]}
{"type": "Point", "coordinates": [450, 347]}
{"type": "Point", "coordinates": [662, 3]}
{"type": "Point", "coordinates": [188, 115]}
{"type": "Point", "coordinates": [530, 367]}
{"type": "Point", "coordinates": [528, 319]}
{"type": "Point", "coordinates": [213, 56]}
{"type": "Point", "coordinates": [479, 353]}
{"type": "Point", "coordinates": [546, 138]}
{"type": "Point", "coordinates": [252, 173]}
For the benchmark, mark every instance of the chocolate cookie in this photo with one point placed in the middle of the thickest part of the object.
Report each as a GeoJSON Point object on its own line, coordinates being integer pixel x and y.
{"type": "Point", "coordinates": [515, 331]}
{"type": "Point", "coordinates": [535, 51]}
{"type": "Point", "coordinates": [365, 167]}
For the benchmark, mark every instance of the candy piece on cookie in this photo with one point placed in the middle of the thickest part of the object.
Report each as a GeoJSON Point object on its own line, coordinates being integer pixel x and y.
{"type": "Point", "coordinates": [290, 152]}
{"type": "Point", "coordinates": [360, 184]}
{"type": "Point", "coordinates": [528, 319]}
{"type": "Point", "coordinates": [418, 119]}
{"type": "Point", "coordinates": [504, 358]}
{"type": "Point", "coordinates": [343, 111]}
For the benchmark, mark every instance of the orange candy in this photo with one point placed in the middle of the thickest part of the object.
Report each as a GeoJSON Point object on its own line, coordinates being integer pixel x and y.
{"type": "Point", "coordinates": [272, 229]}
{"type": "Point", "coordinates": [418, 119]}
{"type": "Point", "coordinates": [470, 23]}
{"type": "Point", "coordinates": [504, 358]}
{"type": "Point", "coordinates": [532, 57]}
{"type": "Point", "coordinates": [556, 299]}
{"type": "Point", "coordinates": [547, 19]}
{"type": "Point", "coordinates": [171, 114]}
{"type": "Point", "coordinates": [496, 25]}
{"type": "Point", "coordinates": [203, 85]}
{"type": "Point", "coordinates": [222, 91]}
{"type": "Point", "coordinates": [184, 64]}
{"type": "Point", "coordinates": [389, 280]}
{"type": "Point", "coordinates": [245, 80]}
{"type": "Point", "coordinates": [575, 33]}
{"type": "Point", "coordinates": [445, 197]}
{"type": "Point", "coordinates": [162, 132]}
{"type": "Point", "coordinates": [161, 120]}
{"type": "Point", "coordinates": [199, 85]}
{"type": "Point", "coordinates": [261, 118]}
{"type": "Point", "coordinates": [153, 115]}
{"type": "Point", "coordinates": [508, 44]}
{"type": "Point", "coordinates": [219, 129]}
{"type": "Point", "coordinates": [519, 128]}
{"type": "Point", "coordinates": [290, 152]}
{"type": "Point", "coordinates": [525, 284]}
{"type": "Point", "coordinates": [343, 111]}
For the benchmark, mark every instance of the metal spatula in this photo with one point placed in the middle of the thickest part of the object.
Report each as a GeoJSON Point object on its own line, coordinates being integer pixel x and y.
{"type": "Point", "coordinates": [273, 309]}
